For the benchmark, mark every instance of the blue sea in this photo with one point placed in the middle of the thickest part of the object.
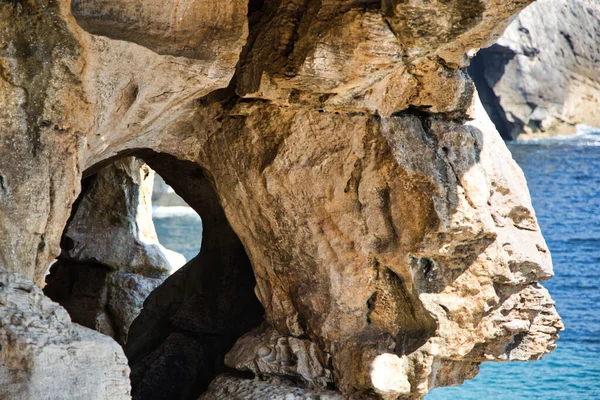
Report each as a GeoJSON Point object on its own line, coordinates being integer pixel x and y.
{"type": "Point", "coordinates": [564, 179]}
{"type": "Point", "coordinates": [178, 229]}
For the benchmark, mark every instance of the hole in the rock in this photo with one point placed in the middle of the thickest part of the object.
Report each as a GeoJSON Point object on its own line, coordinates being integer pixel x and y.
{"type": "Point", "coordinates": [112, 262]}
{"type": "Point", "coordinates": [177, 225]}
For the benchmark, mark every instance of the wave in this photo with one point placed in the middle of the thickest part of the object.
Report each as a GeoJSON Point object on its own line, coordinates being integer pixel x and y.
{"type": "Point", "coordinates": [174, 211]}
{"type": "Point", "coordinates": [584, 136]}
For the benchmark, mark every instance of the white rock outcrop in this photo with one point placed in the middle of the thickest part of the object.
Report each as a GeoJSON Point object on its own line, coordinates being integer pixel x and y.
{"type": "Point", "coordinates": [45, 356]}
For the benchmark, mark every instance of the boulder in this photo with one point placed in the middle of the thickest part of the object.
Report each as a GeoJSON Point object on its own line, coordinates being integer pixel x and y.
{"type": "Point", "coordinates": [43, 355]}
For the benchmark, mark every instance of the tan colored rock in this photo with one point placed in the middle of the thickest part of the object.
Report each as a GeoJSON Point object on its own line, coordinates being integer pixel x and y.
{"type": "Point", "coordinates": [387, 231]}
{"type": "Point", "coordinates": [407, 234]}
{"type": "Point", "coordinates": [383, 58]}
{"type": "Point", "coordinates": [448, 29]}
{"type": "Point", "coordinates": [70, 97]}
{"type": "Point", "coordinates": [43, 355]}
{"type": "Point", "coordinates": [208, 30]}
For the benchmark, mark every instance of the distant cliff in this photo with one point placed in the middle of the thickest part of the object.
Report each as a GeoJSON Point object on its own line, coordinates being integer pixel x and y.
{"type": "Point", "coordinates": [542, 77]}
{"type": "Point", "coordinates": [163, 195]}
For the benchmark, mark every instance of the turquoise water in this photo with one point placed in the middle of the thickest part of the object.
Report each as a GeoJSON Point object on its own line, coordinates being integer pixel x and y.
{"type": "Point", "coordinates": [564, 180]}
{"type": "Point", "coordinates": [178, 229]}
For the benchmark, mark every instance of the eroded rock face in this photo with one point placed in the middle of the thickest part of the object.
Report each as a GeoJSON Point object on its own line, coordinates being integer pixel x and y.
{"type": "Point", "coordinates": [403, 244]}
{"type": "Point", "coordinates": [112, 222]}
{"type": "Point", "coordinates": [111, 258]}
{"type": "Point", "coordinates": [235, 388]}
{"type": "Point", "coordinates": [208, 30]}
{"type": "Point", "coordinates": [542, 77]}
{"type": "Point", "coordinates": [343, 158]}
{"type": "Point", "coordinates": [188, 324]}
{"type": "Point", "coordinates": [43, 355]}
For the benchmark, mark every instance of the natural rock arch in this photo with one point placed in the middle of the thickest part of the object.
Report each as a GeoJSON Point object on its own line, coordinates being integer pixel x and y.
{"type": "Point", "coordinates": [191, 320]}
{"type": "Point", "coordinates": [370, 193]}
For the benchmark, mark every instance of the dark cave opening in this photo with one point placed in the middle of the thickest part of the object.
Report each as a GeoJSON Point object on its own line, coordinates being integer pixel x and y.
{"type": "Point", "coordinates": [191, 319]}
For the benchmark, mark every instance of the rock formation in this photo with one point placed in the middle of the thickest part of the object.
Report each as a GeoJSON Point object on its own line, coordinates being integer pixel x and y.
{"type": "Point", "coordinates": [345, 176]}
{"type": "Point", "coordinates": [542, 77]}
{"type": "Point", "coordinates": [111, 259]}
{"type": "Point", "coordinates": [42, 353]}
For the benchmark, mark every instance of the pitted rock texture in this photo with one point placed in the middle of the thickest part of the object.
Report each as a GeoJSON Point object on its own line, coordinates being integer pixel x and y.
{"type": "Point", "coordinates": [345, 176]}
{"type": "Point", "coordinates": [280, 356]}
{"type": "Point", "coordinates": [234, 388]}
{"type": "Point", "coordinates": [542, 77]}
{"type": "Point", "coordinates": [43, 355]}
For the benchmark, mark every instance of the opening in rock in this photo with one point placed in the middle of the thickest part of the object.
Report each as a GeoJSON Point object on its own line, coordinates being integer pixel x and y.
{"type": "Point", "coordinates": [177, 225]}
{"type": "Point", "coordinates": [111, 258]}
{"type": "Point", "coordinates": [110, 265]}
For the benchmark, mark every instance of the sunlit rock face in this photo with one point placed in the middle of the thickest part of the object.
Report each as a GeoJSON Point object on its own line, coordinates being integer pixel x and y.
{"type": "Point", "coordinates": [542, 77]}
{"type": "Point", "coordinates": [344, 173]}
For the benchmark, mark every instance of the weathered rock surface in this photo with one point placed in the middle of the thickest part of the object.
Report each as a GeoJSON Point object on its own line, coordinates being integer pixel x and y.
{"type": "Point", "coordinates": [43, 355]}
{"type": "Point", "coordinates": [178, 343]}
{"type": "Point", "coordinates": [114, 215]}
{"type": "Point", "coordinates": [265, 352]}
{"type": "Point", "coordinates": [111, 258]}
{"type": "Point", "coordinates": [234, 388]}
{"type": "Point", "coordinates": [542, 77]}
{"type": "Point", "coordinates": [344, 175]}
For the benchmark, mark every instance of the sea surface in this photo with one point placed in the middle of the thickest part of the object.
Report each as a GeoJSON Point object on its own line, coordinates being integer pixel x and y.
{"type": "Point", "coordinates": [563, 175]}
{"type": "Point", "coordinates": [178, 229]}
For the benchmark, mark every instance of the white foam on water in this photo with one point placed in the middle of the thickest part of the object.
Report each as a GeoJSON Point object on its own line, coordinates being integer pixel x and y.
{"type": "Point", "coordinates": [175, 211]}
{"type": "Point", "coordinates": [584, 136]}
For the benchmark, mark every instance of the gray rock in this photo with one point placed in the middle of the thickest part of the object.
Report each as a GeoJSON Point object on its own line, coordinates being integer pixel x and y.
{"type": "Point", "coordinates": [43, 355]}
{"type": "Point", "coordinates": [542, 77]}
{"type": "Point", "coordinates": [111, 257]}
{"type": "Point", "coordinates": [114, 214]}
{"type": "Point", "coordinates": [226, 387]}
{"type": "Point", "coordinates": [263, 351]}
{"type": "Point", "coordinates": [163, 195]}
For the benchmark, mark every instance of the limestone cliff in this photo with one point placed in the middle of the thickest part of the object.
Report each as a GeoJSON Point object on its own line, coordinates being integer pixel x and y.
{"type": "Point", "coordinates": [351, 189]}
{"type": "Point", "coordinates": [542, 76]}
